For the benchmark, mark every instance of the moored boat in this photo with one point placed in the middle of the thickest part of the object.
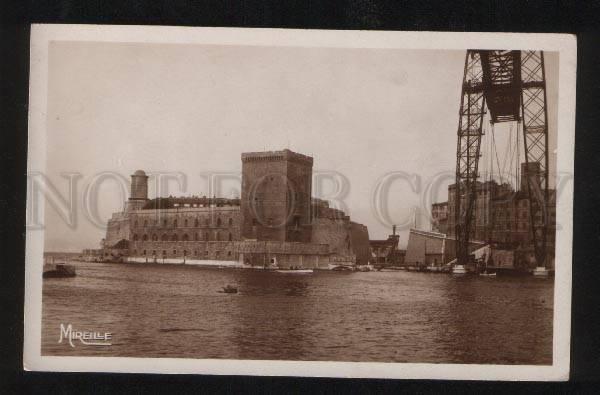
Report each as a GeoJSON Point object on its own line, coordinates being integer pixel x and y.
{"type": "Point", "coordinates": [60, 270]}
{"type": "Point", "coordinates": [459, 269]}
{"type": "Point", "coordinates": [434, 269]}
{"type": "Point", "coordinates": [540, 271]}
{"type": "Point", "coordinates": [342, 268]}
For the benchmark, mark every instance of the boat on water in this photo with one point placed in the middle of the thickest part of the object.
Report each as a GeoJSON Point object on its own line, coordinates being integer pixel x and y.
{"type": "Point", "coordinates": [60, 270]}
{"type": "Point", "coordinates": [435, 269]}
{"type": "Point", "coordinates": [342, 268]}
{"type": "Point", "coordinates": [230, 289]}
{"type": "Point", "coordinates": [459, 269]}
{"type": "Point", "coordinates": [486, 274]}
{"type": "Point", "coordinates": [540, 272]}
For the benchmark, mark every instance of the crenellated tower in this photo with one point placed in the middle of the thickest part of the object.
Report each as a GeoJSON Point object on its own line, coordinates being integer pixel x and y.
{"type": "Point", "coordinates": [276, 196]}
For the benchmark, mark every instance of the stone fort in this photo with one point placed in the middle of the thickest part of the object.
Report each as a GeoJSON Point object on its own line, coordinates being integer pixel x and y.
{"type": "Point", "coordinates": [276, 221]}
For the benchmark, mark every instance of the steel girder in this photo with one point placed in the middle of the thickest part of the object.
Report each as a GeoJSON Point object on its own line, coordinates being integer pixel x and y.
{"type": "Point", "coordinates": [512, 86]}
{"type": "Point", "coordinates": [535, 135]}
{"type": "Point", "coordinates": [471, 114]}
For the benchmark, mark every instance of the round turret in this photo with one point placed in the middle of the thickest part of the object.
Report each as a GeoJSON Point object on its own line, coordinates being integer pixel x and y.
{"type": "Point", "coordinates": [139, 186]}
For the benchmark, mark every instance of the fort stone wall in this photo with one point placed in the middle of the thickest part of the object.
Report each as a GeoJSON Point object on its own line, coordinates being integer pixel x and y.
{"type": "Point", "coordinates": [117, 229]}
{"type": "Point", "coordinates": [359, 238]}
{"type": "Point", "coordinates": [275, 218]}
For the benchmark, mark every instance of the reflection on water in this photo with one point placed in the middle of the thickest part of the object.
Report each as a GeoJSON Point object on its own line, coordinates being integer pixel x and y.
{"type": "Point", "coordinates": [178, 311]}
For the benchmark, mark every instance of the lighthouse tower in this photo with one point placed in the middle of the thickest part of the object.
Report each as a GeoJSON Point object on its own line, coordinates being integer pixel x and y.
{"type": "Point", "coordinates": [139, 191]}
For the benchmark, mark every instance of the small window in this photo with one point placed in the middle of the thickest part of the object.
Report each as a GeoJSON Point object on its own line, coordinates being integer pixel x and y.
{"type": "Point", "coordinates": [218, 253]}
{"type": "Point", "coordinates": [230, 237]}
{"type": "Point", "coordinates": [134, 252]}
{"type": "Point", "coordinates": [155, 237]}
{"type": "Point", "coordinates": [145, 223]}
{"type": "Point", "coordinates": [164, 222]}
{"type": "Point", "coordinates": [196, 222]}
{"type": "Point", "coordinates": [185, 223]}
{"type": "Point", "coordinates": [228, 253]}
{"type": "Point", "coordinates": [135, 237]}
{"type": "Point", "coordinates": [144, 253]}
{"type": "Point", "coordinates": [174, 223]}
{"type": "Point", "coordinates": [230, 221]}
{"type": "Point", "coordinates": [164, 252]}
{"type": "Point", "coordinates": [206, 252]}
{"type": "Point", "coordinates": [153, 252]}
{"type": "Point", "coordinates": [218, 221]}
{"type": "Point", "coordinates": [184, 252]}
{"type": "Point", "coordinates": [174, 252]}
{"type": "Point", "coordinates": [174, 237]}
{"type": "Point", "coordinates": [186, 237]}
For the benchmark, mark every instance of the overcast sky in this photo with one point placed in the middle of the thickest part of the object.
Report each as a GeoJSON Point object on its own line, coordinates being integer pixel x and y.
{"type": "Point", "coordinates": [193, 109]}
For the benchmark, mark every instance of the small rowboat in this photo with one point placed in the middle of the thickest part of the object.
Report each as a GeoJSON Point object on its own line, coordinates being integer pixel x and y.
{"type": "Point", "coordinates": [230, 289]}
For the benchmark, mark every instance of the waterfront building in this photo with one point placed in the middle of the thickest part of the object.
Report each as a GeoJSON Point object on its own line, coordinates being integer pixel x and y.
{"type": "Point", "coordinates": [432, 248]}
{"type": "Point", "coordinates": [486, 193]}
{"type": "Point", "coordinates": [439, 217]}
{"type": "Point", "coordinates": [386, 251]}
{"type": "Point", "coordinates": [501, 216]}
{"type": "Point", "coordinates": [275, 222]}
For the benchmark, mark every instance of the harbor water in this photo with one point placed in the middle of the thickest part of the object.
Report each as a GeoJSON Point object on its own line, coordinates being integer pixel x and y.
{"type": "Point", "coordinates": [177, 311]}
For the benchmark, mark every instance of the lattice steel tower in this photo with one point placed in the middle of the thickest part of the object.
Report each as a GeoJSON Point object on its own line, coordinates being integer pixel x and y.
{"type": "Point", "coordinates": [511, 85]}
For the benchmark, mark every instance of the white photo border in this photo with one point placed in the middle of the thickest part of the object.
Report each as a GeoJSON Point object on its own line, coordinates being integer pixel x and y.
{"type": "Point", "coordinates": [42, 35]}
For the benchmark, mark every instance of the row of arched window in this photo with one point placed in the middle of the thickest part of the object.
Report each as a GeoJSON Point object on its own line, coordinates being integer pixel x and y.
{"type": "Point", "coordinates": [186, 222]}
{"type": "Point", "coordinates": [185, 253]}
{"type": "Point", "coordinates": [185, 237]}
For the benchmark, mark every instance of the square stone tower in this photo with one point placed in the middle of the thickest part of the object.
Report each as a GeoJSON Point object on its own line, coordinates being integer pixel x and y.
{"type": "Point", "coordinates": [276, 196]}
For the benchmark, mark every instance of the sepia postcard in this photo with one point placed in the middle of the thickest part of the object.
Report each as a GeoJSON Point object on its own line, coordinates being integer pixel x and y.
{"type": "Point", "coordinates": [300, 202]}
